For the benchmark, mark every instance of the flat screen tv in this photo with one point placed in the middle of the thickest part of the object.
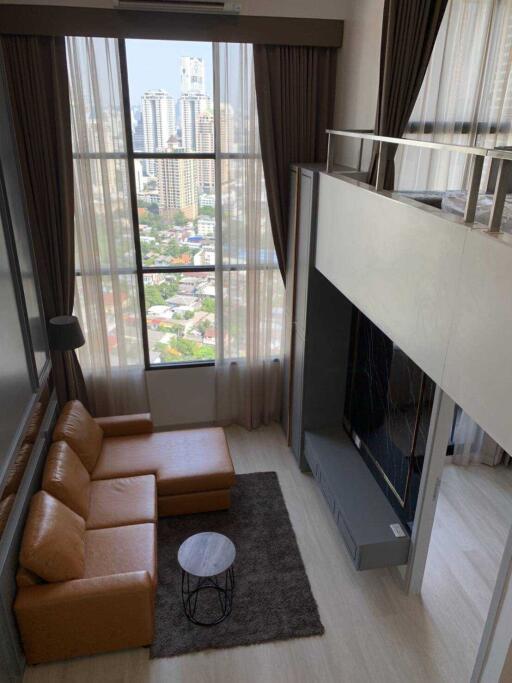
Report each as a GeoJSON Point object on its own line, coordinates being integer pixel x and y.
{"type": "Point", "coordinates": [387, 413]}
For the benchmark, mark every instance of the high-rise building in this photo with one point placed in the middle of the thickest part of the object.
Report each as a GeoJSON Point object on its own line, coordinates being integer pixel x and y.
{"type": "Point", "coordinates": [177, 183]}
{"type": "Point", "coordinates": [205, 140]}
{"type": "Point", "coordinates": [193, 102]}
{"type": "Point", "coordinates": [192, 107]}
{"type": "Point", "coordinates": [139, 174]}
{"type": "Point", "coordinates": [231, 140]}
{"type": "Point", "coordinates": [137, 129]}
{"type": "Point", "coordinates": [159, 122]}
{"type": "Point", "coordinates": [192, 75]}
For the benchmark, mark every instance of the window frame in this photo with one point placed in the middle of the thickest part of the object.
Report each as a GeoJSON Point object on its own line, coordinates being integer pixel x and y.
{"type": "Point", "coordinates": [141, 269]}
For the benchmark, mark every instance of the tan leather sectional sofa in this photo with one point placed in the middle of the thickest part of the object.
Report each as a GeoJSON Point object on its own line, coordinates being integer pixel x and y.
{"type": "Point", "coordinates": [87, 575]}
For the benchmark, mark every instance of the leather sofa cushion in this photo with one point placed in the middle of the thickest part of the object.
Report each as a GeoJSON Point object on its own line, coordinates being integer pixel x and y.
{"type": "Point", "coordinates": [81, 432]}
{"type": "Point", "coordinates": [53, 545]}
{"type": "Point", "coordinates": [119, 550]}
{"type": "Point", "coordinates": [66, 479]}
{"type": "Point", "coordinates": [184, 461]}
{"type": "Point", "coordinates": [118, 502]}
{"type": "Point", "coordinates": [17, 470]}
{"type": "Point", "coordinates": [191, 503]}
{"type": "Point", "coordinates": [26, 578]}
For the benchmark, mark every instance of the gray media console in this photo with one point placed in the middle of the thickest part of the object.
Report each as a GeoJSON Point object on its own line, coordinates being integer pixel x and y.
{"type": "Point", "coordinates": [371, 529]}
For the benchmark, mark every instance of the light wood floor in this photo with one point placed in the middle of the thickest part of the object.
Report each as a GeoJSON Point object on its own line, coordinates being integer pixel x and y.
{"type": "Point", "coordinates": [373, 632]}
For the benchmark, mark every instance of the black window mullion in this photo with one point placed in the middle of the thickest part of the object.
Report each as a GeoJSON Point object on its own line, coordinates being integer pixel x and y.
{"type": "Point", "coordinates": [133, 196]}
{"type": "Point", "coordinates": [173, 155]}
{"type": "Point", "coordinates": [179, 269]}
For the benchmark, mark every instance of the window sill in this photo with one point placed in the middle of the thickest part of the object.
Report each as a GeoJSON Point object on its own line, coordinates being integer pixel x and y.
{"type": "Point", "coordinates": [187, 364]}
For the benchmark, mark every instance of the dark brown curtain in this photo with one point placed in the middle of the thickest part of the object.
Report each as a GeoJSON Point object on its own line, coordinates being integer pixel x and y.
{"type": "Point", "coordinates": [409, 30]}
{"type": "Point", "coordinates": [37, 82]}
{"type": "Point", "coordinates": [295, 89]}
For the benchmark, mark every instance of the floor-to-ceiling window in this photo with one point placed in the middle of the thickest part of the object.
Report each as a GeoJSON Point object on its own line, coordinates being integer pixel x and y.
{"type": "Point", "coordinates": [175, 255]}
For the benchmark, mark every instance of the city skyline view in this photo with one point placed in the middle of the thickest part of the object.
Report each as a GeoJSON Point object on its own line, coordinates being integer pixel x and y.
{"type": "Point", "coordinates": [172, 111]}
{"type": "Point", "coordinates": [164, 57]}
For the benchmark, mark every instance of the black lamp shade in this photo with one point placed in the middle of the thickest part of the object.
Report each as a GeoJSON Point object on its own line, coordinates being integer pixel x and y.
{"type": "Point", "coordinates": [65, 333]}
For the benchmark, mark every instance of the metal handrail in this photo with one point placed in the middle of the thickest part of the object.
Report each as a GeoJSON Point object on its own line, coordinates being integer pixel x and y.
{"type": "Point", "coordinates": [364, 135]}
{"type": "Point", "coordinates": [500, 154]}
{"type": "Point", "coordinates": [478, 155]}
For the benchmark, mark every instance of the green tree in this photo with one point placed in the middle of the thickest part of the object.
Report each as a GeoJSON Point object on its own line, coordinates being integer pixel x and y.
{"type": "Point", "coordinates": [184, 349]}
{"type": "Point", "coordinates": [208, 304]}
{"type": "Point", "coordinates": [153, 296]}
{"type": "Point", "coordinates": [179, 218]}
{"type": "Point", "coordinates": [207, 211]}
{"type": "Point", "coordinates": [202, 327]}
{"type": "Point", "coordinates": [169, 289]}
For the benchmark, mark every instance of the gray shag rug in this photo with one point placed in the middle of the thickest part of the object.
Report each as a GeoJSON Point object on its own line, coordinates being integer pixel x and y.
{"type": "Point", "coordinates": [272, 598]}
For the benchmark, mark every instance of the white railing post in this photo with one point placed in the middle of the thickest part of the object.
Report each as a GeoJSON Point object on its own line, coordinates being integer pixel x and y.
{"type": "Point", "coordinates": [360, 157]}
{"type": "Point", "coordinates": [500, 192]}
{"type": "Point", "coordinates": [330, 153]}
{"type": "Point", "coordinates": [381, 166]}
{"type": "Point", "coordinates": [474, 186]}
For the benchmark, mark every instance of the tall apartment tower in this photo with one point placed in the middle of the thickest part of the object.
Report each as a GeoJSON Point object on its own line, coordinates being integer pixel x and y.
{"type": "Point", "coordinates": [192, 107]}
{"type": "Point", "coordinates": [205, 140]}
{"type": "Point", "coordinates": [177, 183]}
{"type": "Point", "coordinates": [159, 122]}
{"type": "Point", "coordinates": [192, 75]}
{"type": "Point", "coordinates": [193, 102]}
{"type": "Point", "coordinates": [137, 129]}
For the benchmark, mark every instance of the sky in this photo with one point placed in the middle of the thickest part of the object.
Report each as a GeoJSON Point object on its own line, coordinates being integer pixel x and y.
{"type": "Point", "coordinates": [154, 64]}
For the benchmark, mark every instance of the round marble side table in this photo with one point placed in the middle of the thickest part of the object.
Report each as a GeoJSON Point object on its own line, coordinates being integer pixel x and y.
{"type": "Point", "coordinates": [206, 562]}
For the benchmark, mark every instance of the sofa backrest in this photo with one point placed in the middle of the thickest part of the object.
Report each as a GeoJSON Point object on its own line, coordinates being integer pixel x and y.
{"type": "Point", "coordinates": [77, 428]}
{"type": "Point", "coordinates": [53, 545]}
{"type": "Point", "coordinates": [5, 510]}
{"type": "Point", "coordinates": [34, 423]}
{"type": "Point", "coordinates": [66, 478]}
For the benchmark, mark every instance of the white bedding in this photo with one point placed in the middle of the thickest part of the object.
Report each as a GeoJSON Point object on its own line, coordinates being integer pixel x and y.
{"type": "Point", "coordinates": [455, 202]}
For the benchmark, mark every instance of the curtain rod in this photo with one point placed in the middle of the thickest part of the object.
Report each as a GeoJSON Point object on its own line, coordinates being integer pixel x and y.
{"type": "Point", "coordinates": [51, 20]}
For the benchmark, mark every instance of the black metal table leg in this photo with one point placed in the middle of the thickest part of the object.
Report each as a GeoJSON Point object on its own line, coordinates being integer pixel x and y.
{"type": "Point", "coordinates": [223, 584]}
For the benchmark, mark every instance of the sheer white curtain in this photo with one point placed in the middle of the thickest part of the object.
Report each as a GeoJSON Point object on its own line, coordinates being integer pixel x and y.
{"type": "Point", "coordinates": [466, 97]}
{"type": "Point", "coordinates": [468, 439]}
{"type": "Point", "coordinates": [251, 308]}
{"type": "Point", "coordinates": [106, 293]}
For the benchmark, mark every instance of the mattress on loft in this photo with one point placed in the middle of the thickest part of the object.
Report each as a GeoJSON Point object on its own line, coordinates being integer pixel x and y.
{"type": "Point", "coordinates": [429, 197]}
{"type": "Point", "coordinates": [455, 202]}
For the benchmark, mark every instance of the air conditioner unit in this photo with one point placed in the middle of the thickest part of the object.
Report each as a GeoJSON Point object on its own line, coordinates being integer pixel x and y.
{"type": "Point", "coordinates": [200, 6]}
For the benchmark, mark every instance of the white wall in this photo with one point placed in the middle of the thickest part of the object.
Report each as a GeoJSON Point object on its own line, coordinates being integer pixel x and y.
{"type": "Point", "coordinates": [439, 288]}
{"type": "Point", "coordinates": [181, 396]}
{"type": "Point", "coordinates": [358, 66]}
{"type": "Point", "coordinates": [358, 76]}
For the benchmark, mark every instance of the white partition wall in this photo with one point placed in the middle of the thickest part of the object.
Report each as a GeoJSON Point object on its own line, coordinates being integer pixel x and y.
{"type": "Point", "coordinates": [478, 372]}
{"type": "Point", "coordinates": [439, 288]}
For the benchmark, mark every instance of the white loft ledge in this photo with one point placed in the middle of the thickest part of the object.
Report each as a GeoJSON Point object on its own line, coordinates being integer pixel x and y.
{"type": "Point", "coordinates": [442, 290]}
